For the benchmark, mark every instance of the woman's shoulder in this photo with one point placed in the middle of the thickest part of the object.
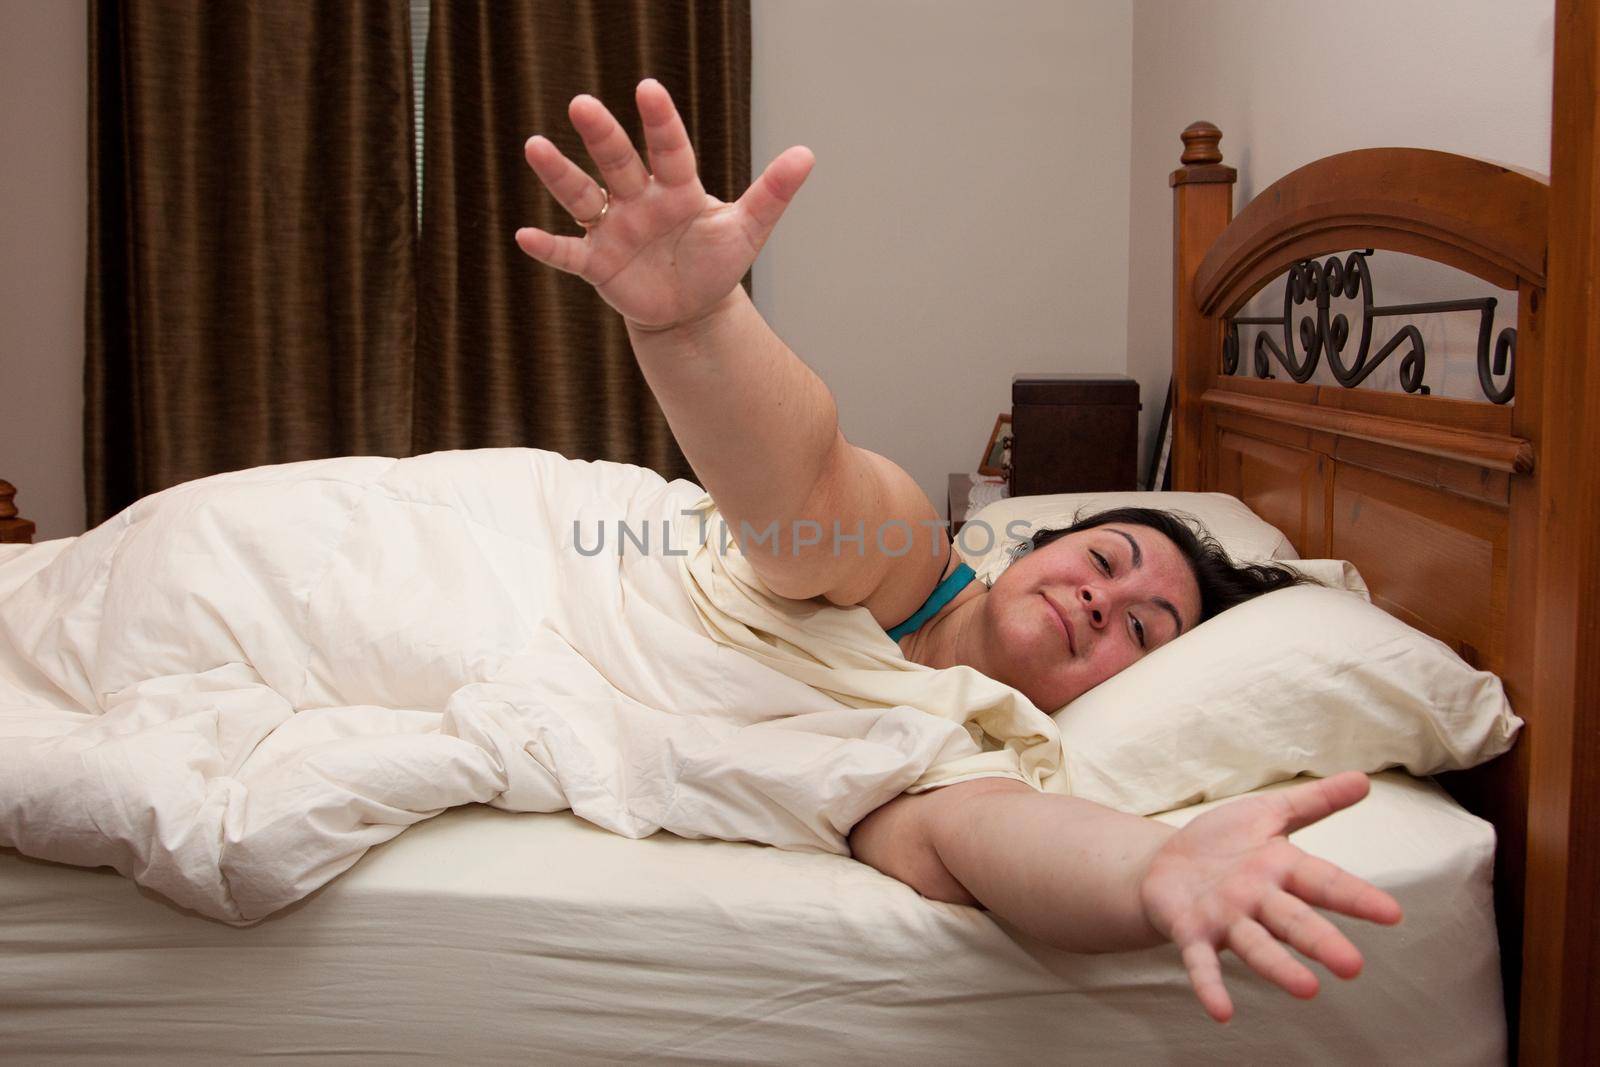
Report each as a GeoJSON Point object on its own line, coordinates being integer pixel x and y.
{"type": "Point", "coordinates": [868, 536]}
{"type": "Point", "coordinates": [955, 578]}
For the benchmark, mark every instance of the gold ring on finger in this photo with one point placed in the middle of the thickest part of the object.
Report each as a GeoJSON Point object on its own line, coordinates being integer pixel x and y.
{"type": "Point", "coordinates": [590, 224]}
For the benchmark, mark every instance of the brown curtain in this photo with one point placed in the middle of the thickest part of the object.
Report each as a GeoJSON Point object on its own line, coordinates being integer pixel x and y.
{"type": "Point", "coordinates": [252, 232]}
{"type": "Point", "coordinates": [254, 290]}
{"type": "Point", "coordinates": [510, 352]}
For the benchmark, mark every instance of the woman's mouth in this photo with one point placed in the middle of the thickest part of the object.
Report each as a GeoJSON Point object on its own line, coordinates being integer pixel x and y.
{"type": "Point", "coordinates": [1061, 621]}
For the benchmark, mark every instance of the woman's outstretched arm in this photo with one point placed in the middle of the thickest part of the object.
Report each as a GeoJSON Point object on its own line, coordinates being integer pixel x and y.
{"type": "Point", "coordinates": [1088, 879]}
{"type": "Point", "coordinates": [760, 429]}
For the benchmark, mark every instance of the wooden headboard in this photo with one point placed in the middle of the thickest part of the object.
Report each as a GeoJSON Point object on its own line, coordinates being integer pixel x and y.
{"type": "Point", "coordinates": [1475, 522]}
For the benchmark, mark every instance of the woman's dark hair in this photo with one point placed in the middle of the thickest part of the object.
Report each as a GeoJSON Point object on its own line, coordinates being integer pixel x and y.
{"type": "Point", "coordinates": [1223, 583]}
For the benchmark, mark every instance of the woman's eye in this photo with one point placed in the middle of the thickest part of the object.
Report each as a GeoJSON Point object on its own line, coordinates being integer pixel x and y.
{"type": "Point", "coordinates": [1139, 627]}
{"type": "Point", "coordinates": [1102, 561]}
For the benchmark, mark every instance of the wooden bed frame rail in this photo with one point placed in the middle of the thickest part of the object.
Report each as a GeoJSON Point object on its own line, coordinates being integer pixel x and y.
{"type": "Point", "coordinates": [1475, 522]}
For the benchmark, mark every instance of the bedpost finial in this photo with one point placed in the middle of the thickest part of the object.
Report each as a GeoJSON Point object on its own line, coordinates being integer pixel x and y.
{"type": "Point", "coordinates": [1200, 144]}
{"type": "Point", "coordinates": [8, 496]}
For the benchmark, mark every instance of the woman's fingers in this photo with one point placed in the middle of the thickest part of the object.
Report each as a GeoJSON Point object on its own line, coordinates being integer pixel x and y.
{"type": "Point", "coordinates": [570, 254]}
{"type": "Point", "coordinates": [573, 189]}
{"type": "Point", "coordinates": [1318, 882]}
{"type": "Point", "coordinates": [1205, 974]}
{"type": "Point", "coordinates": [613, 153]}
{"type": "Point", "coordinates": [1251, 942]}
{"type": "Point", "coordinates": [769, 195]}
{"type": "Point", "coordinates": [1308, 803]}
{"type": "Point", "coordinates": [1313, 936]}
{"type": "Point", "coordinates": [671, 154]}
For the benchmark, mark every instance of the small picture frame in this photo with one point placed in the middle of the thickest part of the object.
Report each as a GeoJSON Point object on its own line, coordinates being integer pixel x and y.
{"type": "Point", "coordinates": [996, 454]}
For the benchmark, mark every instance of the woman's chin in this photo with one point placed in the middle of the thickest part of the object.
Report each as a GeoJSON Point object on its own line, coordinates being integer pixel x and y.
{"type": "Point", "coordinates": [1053, 700]}
{"type": "Point", "coordinates": [1048, 697]}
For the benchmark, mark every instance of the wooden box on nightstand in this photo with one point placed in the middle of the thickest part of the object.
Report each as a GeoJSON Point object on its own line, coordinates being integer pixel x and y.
{"type": "Point", "coordinates": [1074, 433]}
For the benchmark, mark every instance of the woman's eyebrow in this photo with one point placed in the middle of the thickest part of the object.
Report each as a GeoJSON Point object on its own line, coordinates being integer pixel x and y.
{"type": "Point", "coordinates": [1138, 557]}
{"type": "Point", "coordinates": [1159, 601]}
{"type": "Point", "coordinates": [1166, 605]}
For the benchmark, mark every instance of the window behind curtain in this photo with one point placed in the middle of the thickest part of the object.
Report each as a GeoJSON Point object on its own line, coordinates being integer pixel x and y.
{"type": "Point", "coordinates": [419, 67]}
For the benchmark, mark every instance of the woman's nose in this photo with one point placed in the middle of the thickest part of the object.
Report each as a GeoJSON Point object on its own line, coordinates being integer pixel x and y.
{"type": "Point", "coordinates": [1092, 603]}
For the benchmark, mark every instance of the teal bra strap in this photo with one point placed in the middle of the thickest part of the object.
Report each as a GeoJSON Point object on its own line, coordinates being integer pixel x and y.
{"type": "Point", "coordinates": [957, 581]}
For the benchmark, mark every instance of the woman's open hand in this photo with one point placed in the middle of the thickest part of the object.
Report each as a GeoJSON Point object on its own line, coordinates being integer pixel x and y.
{"type": "Point", "coordinates": [666, 251]}
{"type": "Point", "coordinates": [1231, 879]}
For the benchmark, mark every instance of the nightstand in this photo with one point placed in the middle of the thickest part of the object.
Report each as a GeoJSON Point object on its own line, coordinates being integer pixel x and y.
{"type": "Point", "coordinates": [969, 494]}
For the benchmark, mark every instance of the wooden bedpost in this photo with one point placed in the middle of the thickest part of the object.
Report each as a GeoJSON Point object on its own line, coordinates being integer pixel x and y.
{"type": "Point", "coordinates": [1202, 205]}
{"type": "Point", "coordinates": [1561, 947]}
{"type": "Point", "coordinates": [12, 527]}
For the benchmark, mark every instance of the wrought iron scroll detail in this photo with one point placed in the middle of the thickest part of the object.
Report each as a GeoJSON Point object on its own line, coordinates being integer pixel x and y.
{"type": "Point", "coordinates": [1324, 333]}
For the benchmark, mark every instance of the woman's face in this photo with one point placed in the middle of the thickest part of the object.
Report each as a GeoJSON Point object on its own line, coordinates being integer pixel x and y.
{"type": "Point", "coordinates": [1064, 618]}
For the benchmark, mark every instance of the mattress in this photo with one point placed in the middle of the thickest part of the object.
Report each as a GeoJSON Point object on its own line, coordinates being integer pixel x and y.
{"type": "Point", "coordinates": [487, 936]}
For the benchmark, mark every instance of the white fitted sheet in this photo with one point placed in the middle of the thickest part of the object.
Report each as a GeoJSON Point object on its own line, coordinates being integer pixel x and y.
{"type": "Point", "coordinates": [488, 936]}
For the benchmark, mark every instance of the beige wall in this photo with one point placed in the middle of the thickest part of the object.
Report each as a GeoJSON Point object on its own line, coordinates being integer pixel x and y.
{"type": "Point", "coordinates": [1289, 81]}
{"type": "Point", "coordinates": [43, 176]}
{"type": "Point", "coordinates": [967, 218]}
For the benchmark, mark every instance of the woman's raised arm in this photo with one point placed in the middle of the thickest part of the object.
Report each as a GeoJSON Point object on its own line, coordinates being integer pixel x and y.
{"type": "Point", "coordinates": [760, 429]}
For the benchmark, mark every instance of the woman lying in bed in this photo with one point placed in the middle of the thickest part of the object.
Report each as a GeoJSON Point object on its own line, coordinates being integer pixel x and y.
{"type": "Point", "coordinates": [1087, 603]}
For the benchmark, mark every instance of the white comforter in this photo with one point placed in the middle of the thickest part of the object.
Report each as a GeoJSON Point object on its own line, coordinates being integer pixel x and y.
{"type": "Point", "coordinates": [235, 687]}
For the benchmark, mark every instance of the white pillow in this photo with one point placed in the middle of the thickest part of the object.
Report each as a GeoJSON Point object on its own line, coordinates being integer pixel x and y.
{"type": "Point", "coordinates": [1305, 680]}
{"type": "Point", "coordinates": [1333, 573]}
{"type": "Point", "coordinates": [984, 541]}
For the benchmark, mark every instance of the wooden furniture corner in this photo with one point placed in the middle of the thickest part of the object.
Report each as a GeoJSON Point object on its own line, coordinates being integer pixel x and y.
{"type": "Point", "coordinates": [13, 528]}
